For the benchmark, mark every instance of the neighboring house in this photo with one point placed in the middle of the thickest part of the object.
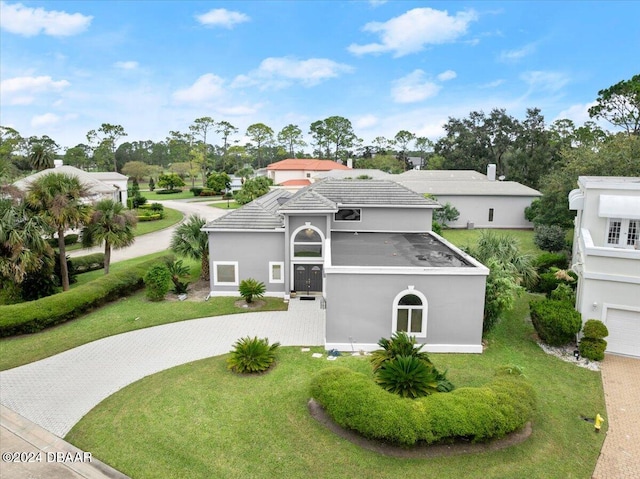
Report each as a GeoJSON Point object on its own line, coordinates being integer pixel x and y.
{"type": "Point", "coordinates": [355, 174]}
{"type": "Point", "coordinates": [284, 171]}
{"type": "Point", "coordinates": [99, 185]}
{"type": "Point", "coordinates": [481, 201]}
{"type": "Point", "coordinates": [366, 248]}
{"type": "Point", "coordinates": [606, 257]}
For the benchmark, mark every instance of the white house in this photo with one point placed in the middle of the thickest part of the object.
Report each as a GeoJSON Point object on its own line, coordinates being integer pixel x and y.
{"type": "Point", "coordinates": [606, 257]}
{"type": "Point", "coordinates": [99, 184]}
{"type": "Point", "coordinates": [298, 172]}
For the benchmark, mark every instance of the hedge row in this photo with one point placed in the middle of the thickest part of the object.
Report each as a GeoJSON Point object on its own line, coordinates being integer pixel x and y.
{"type": "Point", "coordinates": [151, 217]}
{"type": "Point", "coordinates": [68, 240]}
{"type": "Point", "coordinates": [45, 312]}
{"type": "Point", "coordinates": [355, 402]}
{"type": "Point", "coordinates": [90, 262]}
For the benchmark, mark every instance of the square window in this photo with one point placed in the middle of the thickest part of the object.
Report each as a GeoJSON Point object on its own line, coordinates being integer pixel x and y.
{"type": "Point", "coordinates": [225, 273]}
{"type": "Point", "coordinates": [276, 272]}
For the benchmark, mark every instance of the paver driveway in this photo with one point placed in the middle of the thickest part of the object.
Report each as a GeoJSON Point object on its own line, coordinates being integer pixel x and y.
{"type": "Point", "coordinates": [57, 392]}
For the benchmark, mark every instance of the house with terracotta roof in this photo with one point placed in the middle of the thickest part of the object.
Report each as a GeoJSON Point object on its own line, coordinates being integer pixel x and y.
{"type": "Point", "coordinates": [298, 172]}
{"type": "Point", "coordinates": [366, 250]}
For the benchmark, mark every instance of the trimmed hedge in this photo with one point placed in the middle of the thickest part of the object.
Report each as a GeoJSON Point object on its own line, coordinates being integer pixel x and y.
{"type": "Point", "coordinates": [545, 261]}
{"type": "Point", "coordinates": [355, 402]}
{"type": "Point", "coordinates": [556, 322]}
{"type": "Point", "coordinates": [45, 312]}
{"type": "Point", "coordinates": [68, 240]}
{"type": "Point", "coordinates": [90, 262]}
{"type": "Point", "coordinates": [168, 192]}
{"type": "Point", "coordinates": [151, 217]}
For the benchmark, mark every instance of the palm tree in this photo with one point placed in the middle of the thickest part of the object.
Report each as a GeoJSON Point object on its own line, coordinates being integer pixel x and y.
{"type": "Point", "coordinates": [111, 224]}
{"type": "Point", "coordinates": [23, 248]}
{"type": "Point", "coordinates": [58, 199]}
{"type": "Point", "coordinates": [189, 241]}
{"type": "Point", "coordinates": [40, 157]}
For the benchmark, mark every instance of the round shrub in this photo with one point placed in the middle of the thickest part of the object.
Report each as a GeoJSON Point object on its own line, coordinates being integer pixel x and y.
{"type": "Point", "coordinates": [477, 414]}
{"type": "Point", "coordinates": [556, 322]}
{"type": "Point", "coordinates": [252, 355]}
{"type": "Point", "coordinates": [592, 348]}
{"type": "Point", "coordinates": [550, 237]}
{"type": "Point", "coordinates": [563, 292]}
{"type": "Point", "coordinates": [157, 282]}
{"type": "Point", "coordinates": [595, 329]}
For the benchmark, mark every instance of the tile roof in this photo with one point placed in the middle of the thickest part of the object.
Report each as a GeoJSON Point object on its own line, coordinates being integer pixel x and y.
{"type": "Point", "coordinates": [260, 214]}
{"type": "Point", "coordinates": [93, 185]}
{"type": "Point", "coordinates": [355, 173]}
{"type": "Point", "coordinates": [309, 200]}
{"type": "Point", "coordinates": [302, 182]}
{"type": "Point", "coordinates": [469, 188]}
{"type": "Point", "coordinates": [440, 175]}
{"type": "Point", "coordinates": [306, 164]}
{"type": "Point", "coordinates": [369, 192]}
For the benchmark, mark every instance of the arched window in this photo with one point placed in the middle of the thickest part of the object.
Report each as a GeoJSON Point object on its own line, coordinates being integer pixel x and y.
{"type": "Point", "coordinates": [410, 313]}
{"type": "Point", "coordinates": [307, 243]}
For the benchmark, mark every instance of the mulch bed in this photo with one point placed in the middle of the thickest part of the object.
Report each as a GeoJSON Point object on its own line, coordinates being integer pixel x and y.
{"type": "Point", "coordinates": [419, 451]}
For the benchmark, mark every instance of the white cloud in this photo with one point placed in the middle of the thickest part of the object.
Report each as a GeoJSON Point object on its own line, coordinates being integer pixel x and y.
{"type": "Point", "coordinates": [411, 31]}
{"type": "Point", "coordinates": [517, 54]}
{"type": "Point", "coordinates": [22, 90]}
{"type": "Point", "coordinates": [413, 88]}
{"type": "Point", "coordinates": [129, 65]}
{"type": "Point", "coordinates": [365, 121]}
{"type": "Point", "coordinates": [26, 21]}
{"type": "Point", "coordinates": [48, 119]}
{"type": "Point", "coordinates": [240, 110]}
{"type": "Point", "coordinates": [275, 73]}
{"type": "Point", "coordinates": [578, 113]}
{"type": "Point", "coordinates": [545, 81]}
{"type": "Point", "coordinates": [220, 17]}
{"type": "Point", "coordinates": [377, 3]}
{"type": "Point", "coordinates": [493, 84]}
{"type": "Point", "coordinates": [447, 75]}
{"type": "Point", "coordinates": [205, 88]}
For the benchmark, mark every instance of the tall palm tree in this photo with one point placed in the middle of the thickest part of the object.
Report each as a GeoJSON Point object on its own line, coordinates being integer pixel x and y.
{"type": "Point", "coordinates": [40, 157]}
{"type": "Point", "coordinates": [23, 248]}
{"type": "Point", "coordinates": [111, 224]}
{"type": "Point", "coordinates": [189, 241]}
{"type": "Point", "coordinates": [58, 199]}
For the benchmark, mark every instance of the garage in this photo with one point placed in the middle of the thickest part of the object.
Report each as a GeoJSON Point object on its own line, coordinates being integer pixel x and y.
{"type": "Point", "coordinates": [624, 331]}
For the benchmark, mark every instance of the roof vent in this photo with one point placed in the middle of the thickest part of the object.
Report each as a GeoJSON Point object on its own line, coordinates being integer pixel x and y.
{"type": "Point", "coordinates": [491, 172]}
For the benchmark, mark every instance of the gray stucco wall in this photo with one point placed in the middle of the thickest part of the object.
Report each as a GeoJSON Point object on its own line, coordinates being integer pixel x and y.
{"type": "Point", "coordinates": [360, 307]}
{"type": "Point", "coordinates": [252, 250]}
{"type": "Point", "coordinates": [319, 221]}
{"type": "Point", "coordinates": [388, 219]}
{"type": "Point", "coordinates": [508, 211]}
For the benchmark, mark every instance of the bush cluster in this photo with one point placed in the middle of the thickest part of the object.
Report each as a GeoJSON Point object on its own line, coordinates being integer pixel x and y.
{"type": "Point", "coordinates": [556, 322]}
{"type": "Point", "coordinates": [157, 281]}
{"type": "Point", "coordinates": [550, 280]}
{"type": "Point", "coordinates": [90, 262]}
{"type": "Point", "coordinates": [550, 237]}
{"type": "Point", "coordinates": [168, 192]}
{"type": "Point", "coordinates": [545, 261]}
{"type": "Point", "coordinates": [592, 345]}
{"type": "Point", "coordinates": [36, 315]}
{"type": "Point", "coordinates": [196, 190]}
{"type": "Point", "coordinates": [252, 355]}
{"type": "Point", "coordinates": [477, 414]}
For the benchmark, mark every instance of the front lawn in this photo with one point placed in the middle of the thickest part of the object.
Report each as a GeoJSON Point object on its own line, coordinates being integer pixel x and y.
{"type": "Point", "coordinates": [230, 205]}
{"type": "Point", "coordinates": [171, 217]}
{"type": "Point", "coordinates": [153, 196]}
{"type": "Point", "coordinates": [463, 237]}
{"type": "Point", "coordinates": [201, 421]}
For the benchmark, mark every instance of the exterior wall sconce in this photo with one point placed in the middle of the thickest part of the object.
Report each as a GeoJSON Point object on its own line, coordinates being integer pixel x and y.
{"type": "Point", "coordinates": [594, 306]}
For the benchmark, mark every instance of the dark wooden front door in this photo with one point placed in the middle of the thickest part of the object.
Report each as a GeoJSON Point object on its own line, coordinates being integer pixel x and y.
{"type": "Point", "coordinates": [308, 278]}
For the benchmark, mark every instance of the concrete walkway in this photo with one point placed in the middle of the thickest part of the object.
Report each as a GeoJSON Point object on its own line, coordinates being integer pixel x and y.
{"type": "Point", "coordinates": [620, 455]}
{"type": "Point", "coordinates": [58, 391]}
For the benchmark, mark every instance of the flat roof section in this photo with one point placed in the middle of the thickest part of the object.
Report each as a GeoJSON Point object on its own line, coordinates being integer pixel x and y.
{"type": "Point", "coordinates": [393, 249]}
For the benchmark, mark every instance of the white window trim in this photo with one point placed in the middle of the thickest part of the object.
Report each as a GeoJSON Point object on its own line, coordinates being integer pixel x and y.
{"type": "Point", "coordinates": [624, 233]}
{"type": "Point", "coordinates": [215, 273]}
{"type": "Point", "coordinates": [347, 221]}
{"type": "Point", "coordinates": [293, 243]}
{"type": "Point", "coordinates": [271, 265]}
{"type": "Point", "coordinates": [425, 310]}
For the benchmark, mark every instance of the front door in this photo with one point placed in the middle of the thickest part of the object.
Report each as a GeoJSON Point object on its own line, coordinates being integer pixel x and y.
{"type": "Point", "coordinates": [308, 278]}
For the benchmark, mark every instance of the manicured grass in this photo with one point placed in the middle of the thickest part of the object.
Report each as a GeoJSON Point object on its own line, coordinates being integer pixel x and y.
{"type": "Point", "coordinates": [126, 314]}
{"type": "Point", "coordinates": [200, 421]}
{"type": "Point", "coordinates": [232, 205]}
{"type": "Point", "coordinates": [462, 237]}
{"type": "Point", "coordinates": [171, 217]}
{"type": "Point", "coordinates": [153, 196]}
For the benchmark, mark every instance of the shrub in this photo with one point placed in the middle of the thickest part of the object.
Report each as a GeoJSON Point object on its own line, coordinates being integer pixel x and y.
{"type": "Point", "coordinates": [400, 344]}
{"type": "Point", "coordinates": [90, 262]}
{"type": "Point", "coordinates": [196, 190]}
{"type": "Point", "coordinates": [593, 349]}
{"type": "Point", "coordinates": [545, 261]}
{"type": "Point", "coordinates": [556, 322]}
{"type": "Point", "coordinates": [407, 376]}
{"type": "Point", "coordinates": [68, 240]}
{"type": "Point", "coordinates": [152, 184]}
{"type": "Point", "coordinates": [227, 196]}
{"type": "Point", "coordinates": [252, 355]}
{"type": "Point", "coordinates": [157, 282]}
{"type": "Point", "coordinates": [178, 271]}
{"type": "Point", "coordinates": [208, 192]}
{"type": "Point", "coordinates": [550, 237]}
{"type": "Point", "coordinates": [168, 191]}
{"type": "Point", "coordinates": [549, 281]}
{"type": "Point", "coordinates": [563, 292]}
{"type": "Point", "coordinates": [436, 228]}
{"type": "Point", "coordinates": [150, 217]}
{"type": "Point", "coordinates": [595, 329]}
{"type": "Point", "coordinates": [157, 207]}
{"type": "Point", "coordinates": [355, 402]}
{"type": "Point", "coordinates": [36, 315]}
{"type": "Point", "coordinates": [251, 289]}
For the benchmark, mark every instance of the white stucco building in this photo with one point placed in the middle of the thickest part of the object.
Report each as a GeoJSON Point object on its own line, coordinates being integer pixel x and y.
{"type": "Point", "coordinates": [606, 257]}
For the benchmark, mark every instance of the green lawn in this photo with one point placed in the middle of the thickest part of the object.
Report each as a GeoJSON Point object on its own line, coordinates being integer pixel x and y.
{"type": "Point", "coordinates": [231, 205]}
{"type": "Point", "coordinates": [171, 217]}
{"type": "Point", "coordinates": [201, 421]}
{"type": "Point", "coordinates": [153, 196]}
{"type": "Point", "coordinates": [463, 237]}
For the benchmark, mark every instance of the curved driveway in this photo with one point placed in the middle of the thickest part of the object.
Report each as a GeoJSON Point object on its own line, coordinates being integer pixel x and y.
{"type": "Point", "coordinates": [58, 391]}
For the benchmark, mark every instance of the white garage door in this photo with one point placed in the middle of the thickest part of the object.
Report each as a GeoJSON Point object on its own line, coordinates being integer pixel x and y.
{"type": "Point", "coordinates": [624, 331]}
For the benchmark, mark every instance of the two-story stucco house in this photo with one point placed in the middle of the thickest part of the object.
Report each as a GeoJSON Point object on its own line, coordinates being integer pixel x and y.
{"type": "Point", "coordinates": [365, 248]}
{"type": "Point", "coordinates": [606, 257]}
{"type": "Point", "coordinates": [298, 172]}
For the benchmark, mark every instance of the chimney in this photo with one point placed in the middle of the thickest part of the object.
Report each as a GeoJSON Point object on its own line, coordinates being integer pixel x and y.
{"type": "Point", "coordinates": [491, 172]}
{"type": "Point", "coordinates": [349, 162]}
{"type": "Point", "coordinates": [57, 163]}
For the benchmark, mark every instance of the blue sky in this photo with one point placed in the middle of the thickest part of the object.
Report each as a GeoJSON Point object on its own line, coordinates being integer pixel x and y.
{"type": "Point", "coordinates": [66, 67]}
